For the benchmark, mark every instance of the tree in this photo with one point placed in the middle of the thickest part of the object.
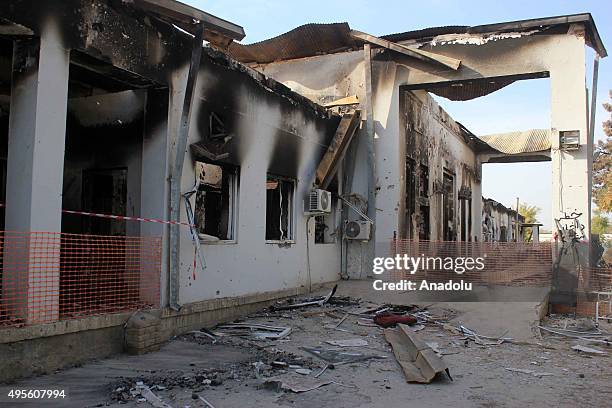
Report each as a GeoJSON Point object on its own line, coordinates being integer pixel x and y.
{"type": "Point", "coordinates": [602, 163]}
{"type": "Point", "coordinates": [600, 224]}
{"type": "Point", "coordinates": [530, 212]}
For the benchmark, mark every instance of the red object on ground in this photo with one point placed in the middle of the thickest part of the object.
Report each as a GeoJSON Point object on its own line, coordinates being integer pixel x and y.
{"type": "Point", "coordinates": [389, 319]}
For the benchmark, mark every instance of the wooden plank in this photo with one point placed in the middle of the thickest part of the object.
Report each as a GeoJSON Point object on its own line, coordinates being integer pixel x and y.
{"type": "Point", "coordinates": [344, 134]}
{"type": "Point", "coordinates": [424, 56]}
{"type": "Point", "coordinates": [349, 100]}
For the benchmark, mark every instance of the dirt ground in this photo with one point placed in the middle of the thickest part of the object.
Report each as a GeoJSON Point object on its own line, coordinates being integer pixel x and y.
{"type": "Point", "coordinates": [231, 371]}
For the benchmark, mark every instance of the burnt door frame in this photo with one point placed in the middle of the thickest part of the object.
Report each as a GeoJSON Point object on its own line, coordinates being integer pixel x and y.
{"type": "Point", "coordinates": [92, 200]}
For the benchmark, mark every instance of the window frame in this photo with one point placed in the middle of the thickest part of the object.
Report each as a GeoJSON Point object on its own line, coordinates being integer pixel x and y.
{"type": "Point", "coordinates": [234, 190]}
{"type": "Point", "coordinates": [291, 207]}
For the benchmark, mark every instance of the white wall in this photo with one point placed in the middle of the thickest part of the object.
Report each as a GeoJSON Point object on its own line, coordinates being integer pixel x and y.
{"type": "Point", "coordinates": [264, 124]}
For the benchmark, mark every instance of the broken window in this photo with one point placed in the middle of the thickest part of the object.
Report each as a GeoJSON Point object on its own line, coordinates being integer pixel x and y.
{"type": "Point", "coordinates": [448, 207]}
{"type": "Point", "coordinates": [424, 203]}
{"type": "Point", "coordinates": [465, 213]}
{"type": "Point", "coordinates": [410, 175]}
{"type": "Point", "coordinates": [215, 207]}
{"type": "Point", "coordinates": [279, 208]}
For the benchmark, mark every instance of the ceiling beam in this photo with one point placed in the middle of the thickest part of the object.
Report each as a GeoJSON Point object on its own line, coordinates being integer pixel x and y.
{"type": "Point", "coordinates": [424, 56]}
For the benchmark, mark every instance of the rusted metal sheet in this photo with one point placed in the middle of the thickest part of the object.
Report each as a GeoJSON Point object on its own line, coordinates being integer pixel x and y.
{"type": "Point", "coordinates": [303, 41]}
{"type": "Point", "coordinates": [465, 90]}
{"type": "Point", "coordinates": [527, 141]}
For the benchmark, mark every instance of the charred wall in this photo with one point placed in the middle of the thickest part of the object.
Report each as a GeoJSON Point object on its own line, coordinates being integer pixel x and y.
{"type": "Point", "coordinates": [441, 170]}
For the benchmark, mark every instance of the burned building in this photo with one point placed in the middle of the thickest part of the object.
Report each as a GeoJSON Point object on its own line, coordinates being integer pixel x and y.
{"type": "Point", "coordinates": [420, 169]}
{"type": "Point", "coordinates": [499, 223]}
{"type": "Point", "coordinates": [145, 171]}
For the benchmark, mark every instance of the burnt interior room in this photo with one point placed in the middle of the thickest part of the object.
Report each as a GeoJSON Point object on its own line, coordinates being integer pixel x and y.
{"type": "Point", "coordinates": [102, 174]}
{"type": "Point", "coordinates": [104, 134]}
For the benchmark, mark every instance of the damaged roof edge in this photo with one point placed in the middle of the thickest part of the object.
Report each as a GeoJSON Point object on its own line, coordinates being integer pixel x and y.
{"type": "Point", "coordinates": [519, 25]}
{"type": "Point", "coordinates": [269, 84]}
{"type": "Point", "coordinates": [186, 14]}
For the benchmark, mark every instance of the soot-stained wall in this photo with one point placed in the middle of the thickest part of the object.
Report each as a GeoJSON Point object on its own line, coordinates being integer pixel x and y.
{"type": "Point", "coordinates": [435, 144]}
{"type": "Point", "coordinates": [269, 130]}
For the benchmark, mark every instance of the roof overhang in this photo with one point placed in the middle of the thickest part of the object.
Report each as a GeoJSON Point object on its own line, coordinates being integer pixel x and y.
{"type": "Point", "coordinates": [593, 38]}
{"type": "Point", "coordinates": [315, 39]}
{"type": "Point", "coordinates": [184, 15]}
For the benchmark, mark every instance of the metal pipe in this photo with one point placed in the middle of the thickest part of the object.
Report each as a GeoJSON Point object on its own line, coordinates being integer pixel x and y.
{"type": "Point", "coordinates": [591, 142]}
{"type": "Point", "coordinates": [177, 169]}
{"type": "Point", "coordinates": [371, 152]}
{"type": "Point", "coordinates": [593, 100]}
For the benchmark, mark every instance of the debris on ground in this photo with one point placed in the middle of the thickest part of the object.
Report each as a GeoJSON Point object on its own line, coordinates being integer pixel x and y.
{"type": "Point", "coordinates": [286, 384]}
{"type": "Point", "coordinates": [418, 361]}
{"type": "Point", "coordinates": [317, 302]}
{"type": "Point", "coordinates": [588, 350]}
{"type": "Point", "coordinates": [348, 343]}
{"type": "Point", "coordinates": [391, 320]}
{"type": "Point", "coordinates": [339, 357]}
{"type": "Point", "coordinates": [531, 372]}
{"type": "Point", "coordinates": [255, 331]}
{"type": "Point", "coordinates": [332, 337]}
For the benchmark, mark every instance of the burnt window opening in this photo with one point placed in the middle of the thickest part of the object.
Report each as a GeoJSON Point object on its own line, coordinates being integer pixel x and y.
{"type": "Point", "coordinates": [424, 203]}
{"type": "Point", "coordinates": [465, 206]}
{"type": "Point", "coordinates": [279, 208]}
{"type": "Point", "coordinates": [448, 207]}
{"type": "Point", "coordinates": [216, 198]}
{"type": "Point", "coordinates": [216, 127]}
{"type": "Point", "coordinates": [465, 213]}
{"type": "Point", "coordinates": [410, 203]}
{"type": "Point", "coordinates": [326, 226]}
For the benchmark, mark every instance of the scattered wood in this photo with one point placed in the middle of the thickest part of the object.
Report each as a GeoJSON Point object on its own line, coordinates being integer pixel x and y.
{"type": "Point", "coordinates": [349, 100]}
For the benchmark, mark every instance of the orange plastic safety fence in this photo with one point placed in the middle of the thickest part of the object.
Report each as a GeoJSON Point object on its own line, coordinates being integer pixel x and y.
{"type": "Point", "coordinates": [46, 276]}
{"type": "Point", "coordinates": [496, 263]}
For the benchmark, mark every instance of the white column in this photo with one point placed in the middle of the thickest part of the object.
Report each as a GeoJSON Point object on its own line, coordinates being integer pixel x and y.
{"type": "Point", "coordinates": [571, 178]}
{"type": "Point", "coordinates": [37, 130]}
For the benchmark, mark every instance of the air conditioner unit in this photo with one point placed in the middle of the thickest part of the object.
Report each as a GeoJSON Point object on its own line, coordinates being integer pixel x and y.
{"type": "Point", "coordinates": [358, 230]}
{"type": "Point", "coordinates": [318, 202]}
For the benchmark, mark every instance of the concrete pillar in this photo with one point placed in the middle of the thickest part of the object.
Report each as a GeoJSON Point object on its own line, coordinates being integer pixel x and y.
{"type": "Point", "coordinates": [154, 188]}
{"type": "Point", "coordinates": [571, 177]}
{"type": "Point", "coordinates": [37, 130]}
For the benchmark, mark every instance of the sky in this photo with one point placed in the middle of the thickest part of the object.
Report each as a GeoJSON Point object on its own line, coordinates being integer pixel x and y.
{"type": "Point", "coordinates": [522, 105]}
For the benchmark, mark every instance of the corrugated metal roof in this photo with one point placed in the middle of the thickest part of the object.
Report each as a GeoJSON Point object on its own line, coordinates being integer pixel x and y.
{"type": "Point", "coordinates": [527, 141]}
{"type": "Point", "coordinates": [593, 38]}
{"type": "Point", "coordinates": [464, 91]}
{"type": "Point", "coordinates": [425, 33]}
{"type": "Point", "coordinates": [304, 41]}
{"type": "Point", "coordinates": [316, 39]}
